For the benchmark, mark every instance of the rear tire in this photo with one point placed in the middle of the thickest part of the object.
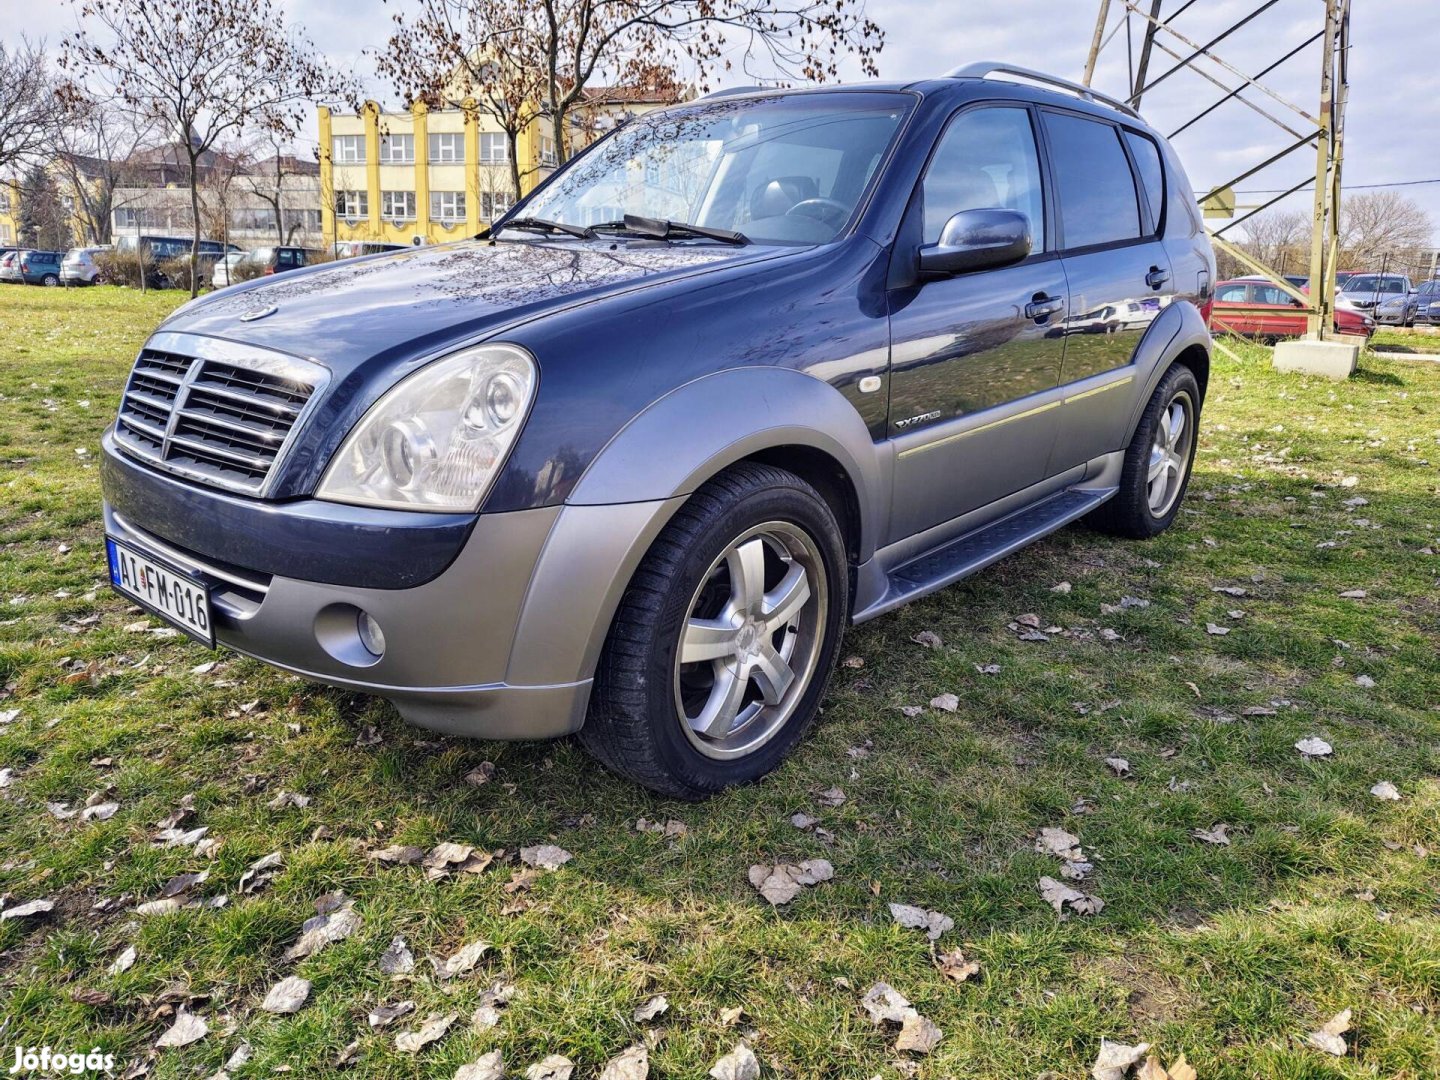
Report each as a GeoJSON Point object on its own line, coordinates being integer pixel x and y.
{"type": "Point", "coordinates": [751, 581]}
{"type": "Point", "coordinates": [50, 281]}
{"type": "Point", "coordinates": [1158, 461]}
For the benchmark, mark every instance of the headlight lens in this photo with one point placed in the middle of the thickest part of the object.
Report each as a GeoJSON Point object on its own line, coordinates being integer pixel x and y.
{"type": "Point", "coordinates": [437, 439]}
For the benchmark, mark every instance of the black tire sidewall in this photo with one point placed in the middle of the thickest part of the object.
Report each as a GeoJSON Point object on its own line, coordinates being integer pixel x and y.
{"type": "Point", "coordinates": [798, 507]}
{"type": "Point", "coordinates": [1178, 378]}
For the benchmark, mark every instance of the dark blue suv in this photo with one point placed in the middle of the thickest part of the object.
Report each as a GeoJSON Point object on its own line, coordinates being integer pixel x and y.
{"type": "Point", "coordinates": [746, 371]}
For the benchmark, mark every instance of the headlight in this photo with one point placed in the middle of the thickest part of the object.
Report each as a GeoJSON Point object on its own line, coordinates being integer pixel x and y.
{"type": "Point", "coordinates": [436, 440]}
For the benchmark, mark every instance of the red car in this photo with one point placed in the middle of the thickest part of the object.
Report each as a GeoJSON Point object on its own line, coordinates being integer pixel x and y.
{"type": "Point", "coordinates": [1281, 320]}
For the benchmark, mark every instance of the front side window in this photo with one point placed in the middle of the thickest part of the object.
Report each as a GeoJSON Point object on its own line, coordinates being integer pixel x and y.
{"type": "Point", "coordinates": [783, 169]}
{"type": "Point", "coordinates": [397, 150]}
{"type": "Point", "coordinates": [986, 160]}
{"type": "Point", "coordinates": [447, 206]}
{"type": "Point", "coordinates": [1096, 188]}
{"type": "Point", "coordinates": [494, 148]}
{"type": "Point", "coordinates": [397, 205]}
{"type": "Point", "coordinates": [352, 204]}
{"type": "Point", "coordinates": [1272, 294]}
{"type": "Point", "coordinates": [348, 149]}
{"type": "Point", "coordinates": [447, 147]}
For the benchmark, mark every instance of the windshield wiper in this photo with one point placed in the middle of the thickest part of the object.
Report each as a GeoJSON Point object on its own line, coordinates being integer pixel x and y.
{"type": "Point", "coordinates": [536, 224]}
{"type": "Point", "coordinates": [664, 229]}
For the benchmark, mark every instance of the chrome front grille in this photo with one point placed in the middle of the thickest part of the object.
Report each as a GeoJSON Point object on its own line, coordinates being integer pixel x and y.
{"type": "Point", "coordinates": [214, 411]}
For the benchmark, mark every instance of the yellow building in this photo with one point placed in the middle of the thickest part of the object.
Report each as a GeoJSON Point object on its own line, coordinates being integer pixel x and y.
{"type": "Point", "coordinates": [435, 175]}
{"type": "Point", "coordinates": [9, 212]}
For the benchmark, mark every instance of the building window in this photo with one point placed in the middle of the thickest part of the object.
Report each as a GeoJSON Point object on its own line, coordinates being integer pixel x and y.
{"type": "Point", "coordinates": [4, 202]}
{"type": "Point", "coordinates": [348, 149]}
{"type": "Point", "coordinates": [351, 205]}
{"type": "Point", "coordinates": [494, 203]}
{"type": "Point", "coordinates": [397, 205]}
{"type": "Point", "coordinates": [301, 220]}
{"type": "Point", "coordinates": [547, 151]}
{"type": "Point", "coordinates": [494, 148]}
{"type": "Point", "coordinates": [253, 219]}
{"type": "Point", "coordinates": [447, 207]}
{"type": "Point", "coordinates": [447, 147]}
{"type": "Point", "coordinates": [5, 236]}
{"type": "Point", "coordinates": [397, 150]}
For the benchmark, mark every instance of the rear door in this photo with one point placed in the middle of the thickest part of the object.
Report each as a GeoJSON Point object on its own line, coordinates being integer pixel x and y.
{"type": "Point", "coordinates": [1283, 319]}
{"type": "Point", "coordinates": [1110, 190]}
{"type": "Point", "coordinates": [970, 353]}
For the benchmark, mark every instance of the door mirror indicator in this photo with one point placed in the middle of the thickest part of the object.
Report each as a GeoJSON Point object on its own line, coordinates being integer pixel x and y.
{"type": "Point", "coordinates": [977, 240]}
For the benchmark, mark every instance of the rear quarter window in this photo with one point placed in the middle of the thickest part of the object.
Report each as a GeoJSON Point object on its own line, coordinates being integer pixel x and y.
{"type": "Point", "coordinates": [1152, 175]}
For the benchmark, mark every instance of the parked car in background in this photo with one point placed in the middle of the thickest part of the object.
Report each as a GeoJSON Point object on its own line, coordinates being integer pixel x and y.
{"type": "Point", "coordinates": [226, 270]}
{"type": "Point", "coordinates": [10, 266]}
{"type": "Point", "coordinates": [41, 267]}
{"type": "Point", "coordinates": [1367, 291]}
{"type": "Point", "coordinates": [1427, 303]}
{"type": "Point", "coordinates": [159, 250]}
{"type": "Point", "coordinates": [276, 260]}
{"type": "Point", "coordinates": [350, 249]}
{"type": "Point", "coordinates": [745, 372]}
{"type": "Point", "coordinates": [1278, 317]}
{"type": "Point", "coordinates": [1398, 310]}
{"type": "Point", "coordinates": [79, 266]}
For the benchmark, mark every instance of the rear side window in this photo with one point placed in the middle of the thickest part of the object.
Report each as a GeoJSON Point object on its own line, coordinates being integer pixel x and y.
{"type": "Point", "coordinates": [1092, 175]}
{"type": "Point", "coordinates": [986, 160]}
{"type": "Point", "coordinates": [1152, 174]}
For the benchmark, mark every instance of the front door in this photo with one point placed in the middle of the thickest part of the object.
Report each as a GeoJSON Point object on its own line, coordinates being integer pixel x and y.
{"type": "Point", "coordinates": [972, 354]}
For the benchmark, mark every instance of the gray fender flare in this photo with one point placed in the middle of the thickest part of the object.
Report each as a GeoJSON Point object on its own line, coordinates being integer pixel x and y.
{"type": "Point", "coordinates": [644, 474]}
{"type": "Point", "coordinates": [1179, 327]}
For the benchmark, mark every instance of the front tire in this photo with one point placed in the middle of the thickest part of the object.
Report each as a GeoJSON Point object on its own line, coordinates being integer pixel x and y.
{"type": "Point", "coordinates": [725, 638]}
{"type": "Point", "coordinates": [1158, 461]}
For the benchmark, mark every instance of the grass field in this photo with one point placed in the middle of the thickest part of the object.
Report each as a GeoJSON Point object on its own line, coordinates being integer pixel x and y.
{"type": "Point", "coordinates": [1326, 897]}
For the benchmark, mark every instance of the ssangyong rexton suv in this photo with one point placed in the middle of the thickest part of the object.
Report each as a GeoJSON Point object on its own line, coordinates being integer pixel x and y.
{"type": "Point", "coordinates": [745, 371]}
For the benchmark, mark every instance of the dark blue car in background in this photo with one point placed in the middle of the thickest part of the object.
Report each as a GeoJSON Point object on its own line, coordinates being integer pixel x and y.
{"type": "Point", "coordinates": [746, 371]}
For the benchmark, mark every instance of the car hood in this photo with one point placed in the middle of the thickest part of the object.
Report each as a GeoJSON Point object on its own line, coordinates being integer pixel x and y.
{"type": "Point", "coordinates": [410, 302]}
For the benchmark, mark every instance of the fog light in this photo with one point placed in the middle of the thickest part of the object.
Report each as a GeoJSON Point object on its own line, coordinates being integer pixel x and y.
{"type": "Point", "coordinates": [371, 636]}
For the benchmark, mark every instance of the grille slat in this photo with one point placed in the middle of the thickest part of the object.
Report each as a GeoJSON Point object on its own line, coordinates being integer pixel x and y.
{"type": "Point", "coordinates": [219, 421]}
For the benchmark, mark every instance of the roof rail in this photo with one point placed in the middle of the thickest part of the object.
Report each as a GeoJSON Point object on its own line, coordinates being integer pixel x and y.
{"type": "Point", "coordinates": [731, 90]}
{"type": "Point", "coordinates": [981, 69]}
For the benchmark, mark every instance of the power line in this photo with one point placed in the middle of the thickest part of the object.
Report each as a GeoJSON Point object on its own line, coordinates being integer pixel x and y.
{"type": "Point", "coordinates": [1347, 187]}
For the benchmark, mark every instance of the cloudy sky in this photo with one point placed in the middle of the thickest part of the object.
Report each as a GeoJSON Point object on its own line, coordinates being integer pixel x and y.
{"type": "Point", "coordinates": [1393, 132]}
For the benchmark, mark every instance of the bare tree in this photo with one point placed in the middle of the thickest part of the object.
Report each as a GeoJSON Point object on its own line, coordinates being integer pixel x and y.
{"type": "Point", "coordinates": [1376, 224]}
{"type": "Point", "coordinates": [266, 181]}
{"type": "Point", "coordinates": [547, 53]}
{"type": "Point", "coordinates": [43, 218]}
{"type": "Point", "coordinates": [94, 156]}
{"type": "Point", "coordinates": [30, 109]}
{"type": "Point", "coordinates": [207, 70]}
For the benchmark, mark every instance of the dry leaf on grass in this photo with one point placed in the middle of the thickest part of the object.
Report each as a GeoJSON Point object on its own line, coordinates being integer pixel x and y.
{"type": "Point", "coordinates": [553, 1067]}
{"type": "Point", "coordinates": [945, 702]}
{"type": "Point", "coordinates": [953, 965]}
{"type": "Point", "coordinates": [25, 911]}
{"type": "Point", "coordinates": [489, 1066]}
{"type": "Point", "coordinates": [398, 855]}
{"type": "Point", "coordinates": [323, 930]}
{"type": "Point", "coordinates": [287, 799]}
{"type": "Point", "coordinates": [545, 856]}
{"type": "Point", "coordinates": [188, 1028]}
{"type": "Point", "coordinates": [384, 1015]}
{"type": "Point", "coordinates": [1060, 896]}
{"type": "Point", "coordinates": [1115, 1059]}
{"type": "Point", "coordinates": [671, 828]}
{"type": "Point", "coordinates": [260, 872]}
{"type": "Point", "coordinates": [932, 922]}
{"type": "Point", "coordinates": [739, 1064]}
{"type": "Point", "coordinates": [1118, 765]}
{"type": "Point", "coordinates": [918, 1034]}
{"type": "Point", "coordinates": [832, 796]}
{"type": "Point", "coordinates": [631, 1064]}
{"type": "Point", "coordinates": [1314, 747]}
{"type": "Point", "coordinates": [1354, 594]}
{"type": "Point", "coordinates": [432, 1030]}
{"type": "Point", "coordinates": [1365, 682]}
{"type": "Point", "coordinates": [1062, 588]}
{"type": "Point", "coordinates": [99, 811]}
{"type": "Point", "coordinates": [803, 821]}
{"type": "Point", "coordinates": [397, 959]}
{"type": "Point", "coordinates": [780, 883]}
{"type": "Point", "coordinates": [1216, 631]}
{"type": "Point", "coordinates": [927, 638]}
{"type": "Point", "coordinates": [462, 962]}
{"type": "Point", "coordinates": [1213, 835]}
{"type": "Point", "coordinates": [1059, 843]}
{"type": "Point", "coordinates": [123, 963]}
{"type": "Point", "coordinates": [885, 1004]}
{"type": "Point", "coordinates": [287, 996]}
{"type": "Point", "coordinates": [1386, 791]}
{"type": "Point", "coordinates": [481, 774]}
{"type": "Point", "coordinates": [1330, 1037]}
{"type": "Point", "coordinates": [651, 1009]}
{"type": "Point", "coordinates": [1180, 1069]}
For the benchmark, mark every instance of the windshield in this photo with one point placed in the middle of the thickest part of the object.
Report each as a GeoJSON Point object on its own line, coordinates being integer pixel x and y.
{"type": "Point", "coordinates": [788, 169]}
{"type": "Point", "coordinates": [1374, 283]}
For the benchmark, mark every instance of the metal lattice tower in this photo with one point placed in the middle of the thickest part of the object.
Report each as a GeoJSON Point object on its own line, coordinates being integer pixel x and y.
{"type": "Point", "coordinates": [1296, 128]}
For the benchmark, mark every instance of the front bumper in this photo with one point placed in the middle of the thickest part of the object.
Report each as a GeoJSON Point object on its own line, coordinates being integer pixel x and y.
{"type": "Point", "coordinates": [500, 645]}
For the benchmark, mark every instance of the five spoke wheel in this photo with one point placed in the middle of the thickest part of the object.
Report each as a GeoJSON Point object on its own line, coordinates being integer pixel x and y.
{"type": "Point", "coordinates": [1170, 454]}
{"type": "Point", "coordinates": [750, 641]}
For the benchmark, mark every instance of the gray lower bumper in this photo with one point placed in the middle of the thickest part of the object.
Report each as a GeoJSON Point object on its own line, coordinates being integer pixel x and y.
{"type": "Point", "coordinates": [502, 645]}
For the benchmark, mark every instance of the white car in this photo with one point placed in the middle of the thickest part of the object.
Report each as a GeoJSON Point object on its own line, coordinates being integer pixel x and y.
{"type": "Point", "coordinates": [78, 266]}
{"type": "Point", "coordinates": [225, 269]}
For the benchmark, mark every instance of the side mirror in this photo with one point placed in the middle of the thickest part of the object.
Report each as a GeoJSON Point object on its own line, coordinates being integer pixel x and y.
{"type": "Point", "coordinates": [977, 240]}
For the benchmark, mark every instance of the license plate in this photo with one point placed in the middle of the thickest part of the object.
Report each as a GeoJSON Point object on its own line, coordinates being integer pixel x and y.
{"type": "Point", "coordinates": [175, 596]}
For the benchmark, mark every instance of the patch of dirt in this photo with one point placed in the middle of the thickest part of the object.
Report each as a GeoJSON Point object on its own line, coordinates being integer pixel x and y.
{"type": "Point", "coordinates": [1152, 999]}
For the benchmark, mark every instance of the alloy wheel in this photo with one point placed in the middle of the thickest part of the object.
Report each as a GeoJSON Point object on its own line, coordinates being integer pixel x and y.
{"type": "Point", "coordinates": [751, 640]}
{"type": "Point", "coordinates": [1170, 454]}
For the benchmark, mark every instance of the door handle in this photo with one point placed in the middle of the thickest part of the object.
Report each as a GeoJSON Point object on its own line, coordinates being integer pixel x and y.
{"type": "Point", "coordinates": [1042, 306]}
{"type": "Point", "coordinates": [1157, 277]}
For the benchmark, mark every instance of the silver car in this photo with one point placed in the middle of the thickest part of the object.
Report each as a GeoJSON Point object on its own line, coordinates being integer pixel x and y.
{"type": "Point", "coordinates": [225, 270]}
{"type": "Point", "coordinates": [79, 266]}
